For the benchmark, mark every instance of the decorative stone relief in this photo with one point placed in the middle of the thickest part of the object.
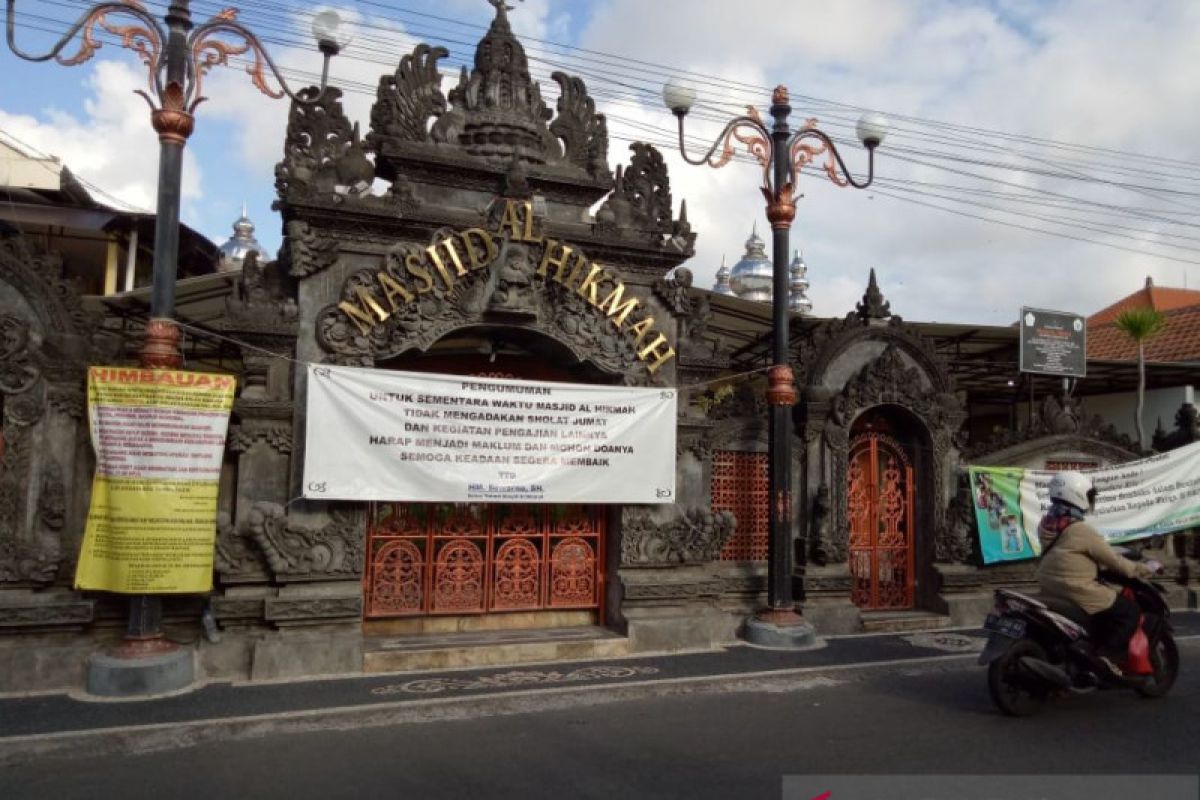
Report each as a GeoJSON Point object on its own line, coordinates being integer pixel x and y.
{"type": "Point", "coordinates": [277, 437]}
{"type": "Point", "coordinates": [873, 306]}
{"type": "Point", "coordinates": [322, 155]}
{"type": "Point", "coordinates": [1057, 417]}
{"type": "Point", "coordinates": [406, 101]}
{"type": "Point", "coordinates": [641, 202]}
{"type": "Point", "coordinates": [236, 555]}
{"type": "Point", "coordinates": [510, 293]}
{"type": "Point", "coordinates": [305, 252]}
{"type": "Point", "coordinates": [956, 532]}
{"type": "Point", "coordinates": [281, 609]}
{"type": "Point", "coordinates": [79, 612]}
{"type": "Point", "coordinates": [263, 300]}
{"type": "Point", "coordinates": [694, 537]}
{"type": "Point", "coordinates": [826, 548]}
{"type": "Point", "coordinates": [294, 552]}
{"type": "Point", "coordinates": [583, 132]}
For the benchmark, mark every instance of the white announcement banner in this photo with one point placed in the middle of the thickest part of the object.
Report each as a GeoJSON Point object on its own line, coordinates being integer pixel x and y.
{"type": "Point", "coordinates": [384, 435]}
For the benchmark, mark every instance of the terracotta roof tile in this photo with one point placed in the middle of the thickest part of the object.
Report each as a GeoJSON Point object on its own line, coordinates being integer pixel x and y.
{"type": "Point", "coordinates": [1178, 342]}
{"type": "Point", "coordinates": [1163, 298]}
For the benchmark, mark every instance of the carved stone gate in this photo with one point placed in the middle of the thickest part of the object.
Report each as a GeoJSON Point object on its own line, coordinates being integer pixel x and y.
{"type": "Point", "coordinates": [460, 558]}
{"type": "Point", "coordinates": [880, 494]}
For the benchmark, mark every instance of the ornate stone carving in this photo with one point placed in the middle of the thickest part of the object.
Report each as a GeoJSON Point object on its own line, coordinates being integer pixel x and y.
{"type": "Point", "coordinates": [263, 300]}
{"type": "Point", "coordinates": [52, 500]}
{"type": "Point", "coordinates": [514, 292]}
{"type": "Point", "coordinates": [825, 547]}
{"type": "Point", "coordinates": [583, 132]}
{"type": "Point", "coordinates": [306, 253]}
{"type": "Point", "coordinates": [55, 303]}
{"type": "Point", "coordinates": [542, 304]}
{"type": "Point", "coordinates": [322, 155]}
{"type": "Point", "coordinates": [289, 609]}
{"type": "Point", "coordinates": [295, 552]}
{"type": "Point", "coordinates": [1058, 419]}
{"type": "Point", "coordinates": [694, 537]}
{"type": "Point", "coordinates": [69, 400]}
{"type": "Point", "coordinates": [406, 101]}
{"type": "Point", "coordinates": [277, 437]}
{"type": "Point", "coordinates": [235, 556]}
{"type": "Point", "coordinates": [74, 612]}
{"type": "Point", "coordinates": [873, 306]}
{"type": "Point", "coordinates": [956, 532]}
{"type": "Point", "coordinates": [641, 200]}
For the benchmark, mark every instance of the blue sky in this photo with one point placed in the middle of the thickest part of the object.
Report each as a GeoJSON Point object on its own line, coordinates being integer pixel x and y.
{"type": "Point", "coordinates": [1008, 116]}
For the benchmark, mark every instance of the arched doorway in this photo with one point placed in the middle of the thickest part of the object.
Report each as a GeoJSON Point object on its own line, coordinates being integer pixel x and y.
{"type": "Point", "coordinates": [881, 509]}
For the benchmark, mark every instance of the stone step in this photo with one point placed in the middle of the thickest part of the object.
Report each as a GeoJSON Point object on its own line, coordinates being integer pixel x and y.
{"type": "Point", "coordinates": [490, 648]}
{"type": "Point", "coordinates": [903, 621]}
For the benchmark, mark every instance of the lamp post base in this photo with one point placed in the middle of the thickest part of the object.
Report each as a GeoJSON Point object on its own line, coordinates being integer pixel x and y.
{"type": "Point", "coordinates": [780, 629]}
{"type": "Point", "coordinates": [133, 671]}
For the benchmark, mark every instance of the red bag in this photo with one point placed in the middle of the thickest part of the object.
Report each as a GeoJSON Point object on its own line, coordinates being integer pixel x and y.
{"type": "Point", "coordinates": [1138, 661]}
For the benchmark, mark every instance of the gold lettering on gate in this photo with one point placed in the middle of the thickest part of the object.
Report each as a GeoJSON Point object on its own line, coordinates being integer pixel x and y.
{"type": "Point", "coordinates": [459, 253]}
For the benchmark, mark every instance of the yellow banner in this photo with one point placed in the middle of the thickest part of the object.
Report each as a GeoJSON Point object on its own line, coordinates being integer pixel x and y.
{"type": "Point", "coordinates": [159, 437]}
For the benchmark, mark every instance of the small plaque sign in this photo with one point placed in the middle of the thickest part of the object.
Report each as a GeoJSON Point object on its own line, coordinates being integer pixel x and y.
{"type": "Point", "coordinates": [1053, 343]}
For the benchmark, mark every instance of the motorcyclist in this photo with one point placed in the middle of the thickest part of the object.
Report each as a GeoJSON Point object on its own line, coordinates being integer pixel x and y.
{"type": "Point", "coordinates": [1073, 553]}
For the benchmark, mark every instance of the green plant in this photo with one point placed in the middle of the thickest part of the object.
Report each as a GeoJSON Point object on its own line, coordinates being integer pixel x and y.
{"type": "Point", "coordinates": [1140, 325]}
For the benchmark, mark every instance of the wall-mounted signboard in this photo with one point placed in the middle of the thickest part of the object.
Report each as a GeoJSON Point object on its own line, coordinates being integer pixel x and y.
{"type": "Point", "coordinates": [1053, 343]}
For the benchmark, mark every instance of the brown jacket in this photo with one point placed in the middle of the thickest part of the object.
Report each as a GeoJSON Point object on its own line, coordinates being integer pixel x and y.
{"type": "Point", "coordinates": [1070, 569]}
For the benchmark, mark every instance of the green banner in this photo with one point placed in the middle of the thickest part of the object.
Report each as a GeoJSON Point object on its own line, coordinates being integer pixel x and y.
{"type": "Point", "coordinates": [1153, 496]}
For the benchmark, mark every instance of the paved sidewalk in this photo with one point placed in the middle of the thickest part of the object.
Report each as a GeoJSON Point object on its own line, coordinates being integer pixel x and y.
{"type": "Point", "coordinates": [49, 723]}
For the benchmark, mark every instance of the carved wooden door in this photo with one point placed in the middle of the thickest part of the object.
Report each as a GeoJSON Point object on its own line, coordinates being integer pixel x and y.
{"type": "Point", "coordinates": [470, 558]}
{"type": "Point", "coordinates": [880, 506]}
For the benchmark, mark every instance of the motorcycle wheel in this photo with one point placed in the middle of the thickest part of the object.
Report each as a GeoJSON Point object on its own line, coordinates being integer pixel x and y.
{"type": "Point", "coordinates": [1013, 693]}
{"type": "Point", "coordinates": [1165, 660]}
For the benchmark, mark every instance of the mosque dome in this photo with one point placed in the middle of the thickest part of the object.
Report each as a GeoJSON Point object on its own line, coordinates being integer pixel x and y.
{"type": "Point", "coordinates": [751, 277]}
{"type": "Point", "coordinates": [234, 251]}
{"type": "Point", "coordinates": [798, 285]}
{"type": "Point", "coordinates": [722, 285]}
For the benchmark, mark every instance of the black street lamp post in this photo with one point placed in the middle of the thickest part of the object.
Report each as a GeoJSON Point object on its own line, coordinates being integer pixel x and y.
{"type": "Point", "coordinates": [782, 154]}
{"type": "Point", "coordinates": [177, 56]}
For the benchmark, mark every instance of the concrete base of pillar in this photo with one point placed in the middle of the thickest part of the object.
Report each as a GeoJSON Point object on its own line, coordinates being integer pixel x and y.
{"type": "Point", "coordinates": [140, 676]}
{"type": "Point", "coordinates": [786, 636]}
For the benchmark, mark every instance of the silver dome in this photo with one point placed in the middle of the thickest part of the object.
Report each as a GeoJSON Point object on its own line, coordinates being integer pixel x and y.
{"type": "Point", "coordinates": [751, 277]}
{"type": "Point", "coordinates": [798, 284]}
{"type": "Point", "coordinates": [722, 284]}
{"type": "Point", "coordinates": [234, 251]}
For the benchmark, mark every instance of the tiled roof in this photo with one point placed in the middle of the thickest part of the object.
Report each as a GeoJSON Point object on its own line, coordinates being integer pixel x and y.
{"type": "Point", "coordinates": [1162, 298]}
{"type": "Point", "coordinates": [1178, 341]}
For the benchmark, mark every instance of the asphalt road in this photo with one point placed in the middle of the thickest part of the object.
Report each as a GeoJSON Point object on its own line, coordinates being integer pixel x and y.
{"type": "Point", "coordinates": [735, 743]}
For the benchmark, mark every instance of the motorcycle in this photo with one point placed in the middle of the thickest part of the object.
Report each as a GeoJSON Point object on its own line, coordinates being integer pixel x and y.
{"type": "Point", "coordinates": [1042, 647]}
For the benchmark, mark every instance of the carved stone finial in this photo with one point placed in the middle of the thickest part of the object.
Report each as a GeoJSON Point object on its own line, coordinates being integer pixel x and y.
{"type": "Point", "coordinates": [873, 306]}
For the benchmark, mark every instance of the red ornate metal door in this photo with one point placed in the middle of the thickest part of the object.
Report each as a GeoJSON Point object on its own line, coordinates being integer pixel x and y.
{"type": "Point", "coordinates": [426, 558]}
{"type": "Point", "coordinates": [880, 505]}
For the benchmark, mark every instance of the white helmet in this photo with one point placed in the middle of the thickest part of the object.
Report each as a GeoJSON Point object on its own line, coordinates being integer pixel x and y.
{"type": "Point", "coordinates": [1073, 488]}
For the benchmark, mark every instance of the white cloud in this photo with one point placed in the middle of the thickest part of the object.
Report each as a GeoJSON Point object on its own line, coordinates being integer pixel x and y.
{"type": "Point", "coordinates": [108, 145]}
{"type": "Point", "coordinates": [1109, 75]}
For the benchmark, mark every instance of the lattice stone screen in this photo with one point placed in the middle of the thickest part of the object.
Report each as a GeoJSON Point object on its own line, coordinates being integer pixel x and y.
{"type": "Point", "coordinates": [739, 484]}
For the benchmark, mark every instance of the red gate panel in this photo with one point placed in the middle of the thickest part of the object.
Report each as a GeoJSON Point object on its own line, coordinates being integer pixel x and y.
{"type": "Point", "coordinates": [879, 501]}
{"type": "Point", "coordinates": [427, 559]}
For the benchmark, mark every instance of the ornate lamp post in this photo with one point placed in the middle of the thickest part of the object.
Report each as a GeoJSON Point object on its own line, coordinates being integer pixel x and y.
{"type": "Point", "coordinates": [177, 55]}
{"type": "Point", "coordinates": [782, 154]}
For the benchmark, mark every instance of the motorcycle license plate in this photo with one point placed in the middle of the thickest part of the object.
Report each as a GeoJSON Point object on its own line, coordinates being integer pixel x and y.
{"type": "Point", "coordinates": [1005, 626]}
